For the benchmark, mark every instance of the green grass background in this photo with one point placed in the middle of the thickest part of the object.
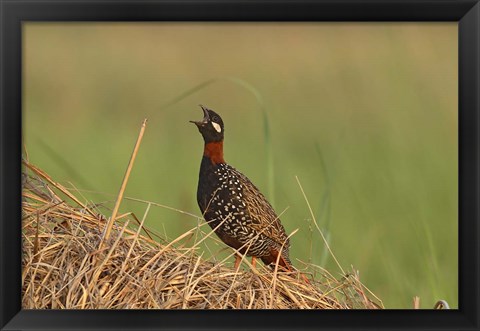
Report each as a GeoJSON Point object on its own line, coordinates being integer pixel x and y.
{"type": "Point", "coordinates": [364, 114]}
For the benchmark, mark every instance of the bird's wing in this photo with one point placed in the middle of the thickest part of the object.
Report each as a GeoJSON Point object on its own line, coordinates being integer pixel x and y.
{"type": "Point", "coordinates": [263, 217]}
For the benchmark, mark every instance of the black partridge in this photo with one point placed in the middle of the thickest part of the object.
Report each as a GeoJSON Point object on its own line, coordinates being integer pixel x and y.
{"type": "Point", "coordinates": [238, 212]}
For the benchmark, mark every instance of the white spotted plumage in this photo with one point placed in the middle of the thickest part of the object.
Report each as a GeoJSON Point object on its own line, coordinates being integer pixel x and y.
{"type": "Point", "coordinates": [242, 218]}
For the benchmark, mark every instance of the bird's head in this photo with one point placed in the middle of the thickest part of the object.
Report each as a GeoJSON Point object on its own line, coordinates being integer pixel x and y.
{"type": "Point", "coordinates": [211, 126]}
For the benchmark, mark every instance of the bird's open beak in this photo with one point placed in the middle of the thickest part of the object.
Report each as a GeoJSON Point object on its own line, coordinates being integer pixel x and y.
{"type": "Point", "coordinates": [205, 119]}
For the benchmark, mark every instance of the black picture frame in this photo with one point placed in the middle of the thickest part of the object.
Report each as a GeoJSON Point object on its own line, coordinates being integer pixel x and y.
{"type": "Point", "coordinates": [14, 12]}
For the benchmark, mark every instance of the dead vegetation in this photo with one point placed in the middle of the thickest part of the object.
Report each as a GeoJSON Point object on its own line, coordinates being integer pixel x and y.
{"type": "Point", "coordinates": [68, 263]}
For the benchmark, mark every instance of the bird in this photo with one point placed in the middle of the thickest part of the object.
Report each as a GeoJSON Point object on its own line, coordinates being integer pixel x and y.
{"type": "Point", "coordinates": [234, 207]}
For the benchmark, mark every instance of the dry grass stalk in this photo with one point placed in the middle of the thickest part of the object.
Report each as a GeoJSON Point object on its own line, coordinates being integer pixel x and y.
{"type": "Point", "coordinates": [124, 183]}
{"type": "Point", "coordinates": [416, 302]}
{"type": "Point", "coordinates": [63, 266]}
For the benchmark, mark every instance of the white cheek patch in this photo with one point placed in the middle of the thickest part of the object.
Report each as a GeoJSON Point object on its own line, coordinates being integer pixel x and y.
{"type": "Point", "coordinates": [217, 127]}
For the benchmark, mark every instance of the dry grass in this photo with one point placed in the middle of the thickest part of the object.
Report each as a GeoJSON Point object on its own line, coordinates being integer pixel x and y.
{"type": "Point", "coordinates": [66, 266]}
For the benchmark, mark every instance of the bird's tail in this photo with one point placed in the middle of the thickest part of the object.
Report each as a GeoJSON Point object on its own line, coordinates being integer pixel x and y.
{"type": "Point", "coordinates": [283, 262]}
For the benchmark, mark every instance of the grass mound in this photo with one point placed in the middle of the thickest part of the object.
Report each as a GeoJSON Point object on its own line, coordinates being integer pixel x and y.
{"type": "Point", "coordinates": [67, 263]}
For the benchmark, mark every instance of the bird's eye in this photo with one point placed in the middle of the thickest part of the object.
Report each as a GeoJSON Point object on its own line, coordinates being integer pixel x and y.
{"type": "Point", "coordinates": [215, 119]}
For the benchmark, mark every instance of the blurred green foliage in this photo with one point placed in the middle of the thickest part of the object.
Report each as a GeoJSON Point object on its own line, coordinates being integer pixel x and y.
{"type": "Point", "coordinates": [364, 114]}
